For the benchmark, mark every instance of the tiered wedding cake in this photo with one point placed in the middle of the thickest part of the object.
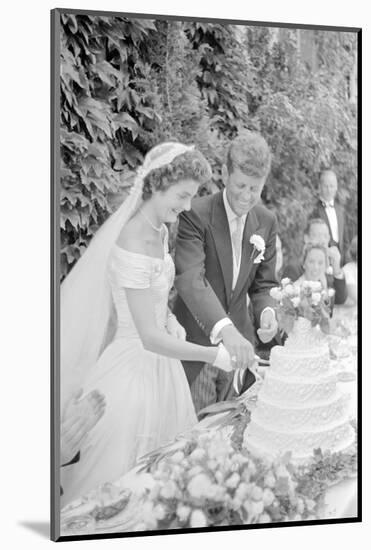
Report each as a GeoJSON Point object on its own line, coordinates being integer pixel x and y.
{"type": "Point", "coordinates": [299, 407]}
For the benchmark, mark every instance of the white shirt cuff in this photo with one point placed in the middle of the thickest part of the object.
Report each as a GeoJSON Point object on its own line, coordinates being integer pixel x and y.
{"type": "Point", "coordinates": [267, 309]}
{"type": "Point", "coordinates": [339, 275]}
{"type": "Point", "coordinates": [215, 337]}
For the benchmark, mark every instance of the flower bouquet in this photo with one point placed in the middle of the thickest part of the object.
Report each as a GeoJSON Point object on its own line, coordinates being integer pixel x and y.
{"type": "Point", "coordinates": [307, 299]}
{"type": "Point", "coordinates": [209, 483]}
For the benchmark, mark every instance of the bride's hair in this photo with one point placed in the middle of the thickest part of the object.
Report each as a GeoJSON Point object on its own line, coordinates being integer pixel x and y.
{"type": "Point", "coordinates": [189, 165]}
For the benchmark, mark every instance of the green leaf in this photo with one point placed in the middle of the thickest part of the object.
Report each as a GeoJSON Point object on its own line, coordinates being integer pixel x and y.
{"type": "Point", "coordinates": [124, 120]}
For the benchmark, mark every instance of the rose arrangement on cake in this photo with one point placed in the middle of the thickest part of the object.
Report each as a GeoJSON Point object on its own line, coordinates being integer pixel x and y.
{"type": "Point", "coordinates": [308, 300]}
{"type": "Point", "coordinates": [299, 407]}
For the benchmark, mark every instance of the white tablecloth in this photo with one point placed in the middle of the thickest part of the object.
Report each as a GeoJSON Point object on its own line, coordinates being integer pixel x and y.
{"type": "Point", "coordinates": [340, 500]}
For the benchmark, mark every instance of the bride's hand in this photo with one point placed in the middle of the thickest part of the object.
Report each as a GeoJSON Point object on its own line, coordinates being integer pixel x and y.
{"type": "Point", "coordinates": [174, 328]}
{"type": "Point", "coordinates": [223, 359]}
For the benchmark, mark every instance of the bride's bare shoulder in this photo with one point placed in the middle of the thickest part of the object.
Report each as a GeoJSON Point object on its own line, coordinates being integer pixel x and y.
{"type": "Point", "coordinates": [130, 237]}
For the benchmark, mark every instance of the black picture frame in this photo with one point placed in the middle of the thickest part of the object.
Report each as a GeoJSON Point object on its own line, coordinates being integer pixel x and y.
{"type": "Point", "coordinates": [55, 272]}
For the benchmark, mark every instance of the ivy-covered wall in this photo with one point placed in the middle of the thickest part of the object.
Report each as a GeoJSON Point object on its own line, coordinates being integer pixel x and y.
{"type": "Point", "coordinates": [127, 84]}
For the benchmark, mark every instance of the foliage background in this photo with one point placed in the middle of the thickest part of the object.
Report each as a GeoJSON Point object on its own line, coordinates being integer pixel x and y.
{"type": "Point", "coordinates": [127, 84]}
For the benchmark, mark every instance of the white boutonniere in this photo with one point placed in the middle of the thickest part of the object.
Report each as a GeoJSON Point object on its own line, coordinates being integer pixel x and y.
{"type": "Point", "coordinates": [330, 270]}
{"type": "Point", "coordinates": [259, 246]}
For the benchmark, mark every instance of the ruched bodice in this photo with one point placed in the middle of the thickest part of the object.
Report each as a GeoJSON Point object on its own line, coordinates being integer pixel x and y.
{"type": "Point", "coordinates": [139, 271]}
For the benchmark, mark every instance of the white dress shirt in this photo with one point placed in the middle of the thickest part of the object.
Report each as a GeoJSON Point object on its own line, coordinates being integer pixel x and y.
{"type": "Point", "coordinates": [232, 224]}
{"type": "Point", "coordinates": [332, 218]}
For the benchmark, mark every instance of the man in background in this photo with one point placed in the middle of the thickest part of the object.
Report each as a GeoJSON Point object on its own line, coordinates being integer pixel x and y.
{"type": "Point", "coordinates": [330, 211]}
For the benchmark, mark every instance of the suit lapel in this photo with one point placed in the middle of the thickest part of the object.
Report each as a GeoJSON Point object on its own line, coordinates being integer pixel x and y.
{"type": "Point", "coordinates": [339, 217]}
{"type": "Point", "coordinates": [222, 239]}
{"type": "Point", "coordinates": [247, 259]}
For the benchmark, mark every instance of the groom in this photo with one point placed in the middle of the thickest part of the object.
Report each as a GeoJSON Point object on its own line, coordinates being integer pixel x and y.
{"type": "Point", "coordinates": [219, 266]}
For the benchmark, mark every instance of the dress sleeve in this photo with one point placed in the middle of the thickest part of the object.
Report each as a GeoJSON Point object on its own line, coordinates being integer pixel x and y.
{"type": "Point", "coordinates": [130, 270]}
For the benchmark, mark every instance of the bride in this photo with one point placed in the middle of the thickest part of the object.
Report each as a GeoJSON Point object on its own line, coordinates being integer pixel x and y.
{"type": "Point", "coordinates": [123, 280]}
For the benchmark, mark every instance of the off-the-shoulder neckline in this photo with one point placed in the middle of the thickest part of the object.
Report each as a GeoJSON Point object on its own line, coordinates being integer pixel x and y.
{"type": "Point", "coordinates": [140, 254]}
{"type": "Point", "coordinates": [166, 253]}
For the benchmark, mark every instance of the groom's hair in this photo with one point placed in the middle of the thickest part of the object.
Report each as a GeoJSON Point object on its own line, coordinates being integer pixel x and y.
{"type": "Point", "coordinates": [250, 153]}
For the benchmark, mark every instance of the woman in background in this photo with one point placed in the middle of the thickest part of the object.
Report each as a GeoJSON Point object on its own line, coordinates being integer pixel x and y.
{"type": "Point", "coordinates": [351, 272]}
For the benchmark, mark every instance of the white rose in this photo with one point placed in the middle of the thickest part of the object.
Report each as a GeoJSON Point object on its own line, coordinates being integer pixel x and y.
{"type": "Point", "coordinates": [212, 464]}
{"type": "Point", "coordinates": [295, 301]}
{"type": "Point", "coordinates": [198, 454]}
{"type": "Point", "coordinates": [198, 519]}
{"type": "Point", "coordinates": [285, 281]}
{"type": "Point", "coordinates": [183, 512]}
{"type": "Point", "coordinates": [177, 457]}
{"type": "Point", "coordinates": [257, 508]}
{"type": "Point", "coordinates": [219, 476]}
{"type": "Point", "coordinates": [270, 480]}
{"type": "Point", "coordinates": [281, 471]}
{"type": "Point", "coordinates": [276, 293]}
{"type": "Point", "coordinates": [259, 258]}
{"type": "Point", "coordinates": [220, 493]}
{"type": "Point", "coordinates": [176, 471]}
{"type": "Point", "coordinates": [241, 490]}
{"type": "Point", "coordinates": [257, 493]}
{"type": "Point", "coordinates": [258, 242]}
{"type": "Point", "coordinates": [199, 486]}
{"type": "Point", "coordinates": [159, 511]}
{"type": "Point", "coordinates": [169, 490]}
{"type": "Point", "coordinates": [289, 290]}
{"type": "Point", "coordinates": [246, 475]}
{"type": "Point", "coordinates": [212, 492]}
{"type": "Point", "coordinates": [233, 481]}
{"type": "Point", "coordinates": [265, 518]}
{"type": "Point", "coordinates": [155, 491]}
{"type": "Point", "coordinates": [248, 506]}
{"type": "Point", "coordinates": [195, 470]}
{"type": "Point", "coordinates": [252, 468]}
{"type": "Point", "coordinates": [268, 497]}
{"type": "Point", "coordinates": [316, 298]}
{"type": "Point", "coordinates": [236, 503]}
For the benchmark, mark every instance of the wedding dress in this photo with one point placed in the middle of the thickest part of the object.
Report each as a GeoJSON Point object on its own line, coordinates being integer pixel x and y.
{"type": "Point", "coordinates": [148, 401]}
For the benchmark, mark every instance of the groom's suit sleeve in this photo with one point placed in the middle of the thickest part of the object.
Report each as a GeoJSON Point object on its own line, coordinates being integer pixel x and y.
{"type": "Point", "coordinates": [190, 282]}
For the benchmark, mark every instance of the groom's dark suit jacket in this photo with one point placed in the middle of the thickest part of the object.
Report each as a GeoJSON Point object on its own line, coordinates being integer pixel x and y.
{"type": "Point", "coordinates": [204, 271]}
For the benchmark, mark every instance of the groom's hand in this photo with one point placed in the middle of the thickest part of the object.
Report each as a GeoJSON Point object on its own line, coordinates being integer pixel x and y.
{"type": "Point", "coordinates": [268, 325]}
{"type": "Point", "coordinates": [241, 350]}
